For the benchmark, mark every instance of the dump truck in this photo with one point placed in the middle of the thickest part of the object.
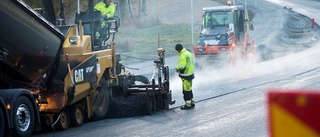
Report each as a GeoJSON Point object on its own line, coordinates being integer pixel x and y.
{"type": "Point", "coordinates": [224, 36]}
{"type": "Point", "coordinates": [56, 76]}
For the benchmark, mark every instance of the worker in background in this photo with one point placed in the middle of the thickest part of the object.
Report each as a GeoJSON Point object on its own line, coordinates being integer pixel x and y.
{"type": "Point", "coordinates": [209, 21]}
{"type": "Point", "coordinates": [185, 68]}
{"type": "Point", "coordinates": [107, 9]}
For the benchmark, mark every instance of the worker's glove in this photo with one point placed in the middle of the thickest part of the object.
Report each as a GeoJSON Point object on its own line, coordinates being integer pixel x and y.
{"type": "Point", "coordinates": [177, 70]}
{"type": "Point", "coordinates": [104, 17]}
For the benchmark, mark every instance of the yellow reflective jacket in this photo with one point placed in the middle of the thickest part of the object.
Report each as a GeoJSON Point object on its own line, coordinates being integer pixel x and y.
{"type": "Point", "coordinates": [186, 64]}
{"type": "Point", "coordinates": [102, 7]}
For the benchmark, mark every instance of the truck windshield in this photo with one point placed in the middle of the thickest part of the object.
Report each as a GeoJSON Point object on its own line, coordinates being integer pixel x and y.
{"type": "Point", "coordinates": [217, 18]}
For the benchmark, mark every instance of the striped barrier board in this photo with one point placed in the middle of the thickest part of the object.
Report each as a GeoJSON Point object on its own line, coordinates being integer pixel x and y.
{"type": "Point", "coordinates": [293, 113]}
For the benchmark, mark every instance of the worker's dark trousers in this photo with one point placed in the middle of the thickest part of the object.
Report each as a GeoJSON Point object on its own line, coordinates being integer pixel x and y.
{"type": "Point", "coordinates": [187, 95]}
{"type": "Point", "coordinates": [187, 89]}
{"type": "Point", "coordinates": [100, 29]}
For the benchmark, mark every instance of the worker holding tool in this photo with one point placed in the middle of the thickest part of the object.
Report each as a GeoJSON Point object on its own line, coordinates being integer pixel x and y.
{"type": "Point", "coordinates": [107, 9]}
{"type": "Point", "coordinates": [185, 68]}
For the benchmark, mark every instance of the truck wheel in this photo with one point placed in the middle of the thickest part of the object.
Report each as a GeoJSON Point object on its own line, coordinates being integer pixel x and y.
{"type": "Point", "coordinates": [102, 108]}
{"type": "Point", "coordinates": [23, 117]}
{"type": "Point", "coordinates": [64, 120]}
{"type": "Point", "coordinates": [232, 57]}
{"type": "Point", "coordinates": [2, 123]}
{"type": "Point", "coordinates": [76, 115]}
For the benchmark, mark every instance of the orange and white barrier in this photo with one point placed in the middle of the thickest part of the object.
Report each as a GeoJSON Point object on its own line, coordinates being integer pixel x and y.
{"type": "Point", "coordinates": [293, 113]}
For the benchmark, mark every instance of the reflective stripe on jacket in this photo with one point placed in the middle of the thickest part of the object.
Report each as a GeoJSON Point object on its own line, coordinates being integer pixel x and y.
{"type": "Point", "coordinates": [186, 63]}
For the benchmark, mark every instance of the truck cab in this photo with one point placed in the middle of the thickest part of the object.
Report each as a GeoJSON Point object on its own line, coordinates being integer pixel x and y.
{"type": "Point", "coordinates": [223, 33]}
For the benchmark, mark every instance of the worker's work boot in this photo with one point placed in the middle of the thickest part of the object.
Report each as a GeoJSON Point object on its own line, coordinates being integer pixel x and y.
{"type": "Point", "coordinates": [188, 105]}
{"type": "Point", "coordinates": [185, 107]}
{"type": "Point", "coordinates": [193, 104]}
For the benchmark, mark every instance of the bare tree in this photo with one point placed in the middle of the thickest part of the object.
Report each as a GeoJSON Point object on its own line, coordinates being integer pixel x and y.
{"type": "Point", "coordinates": [129, 8]}
{"type": "Point", "coordinates": [142, 8]}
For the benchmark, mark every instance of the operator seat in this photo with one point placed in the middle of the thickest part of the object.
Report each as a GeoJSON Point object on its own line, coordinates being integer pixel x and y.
{"type": "Point", "coordinates": [89, 21]}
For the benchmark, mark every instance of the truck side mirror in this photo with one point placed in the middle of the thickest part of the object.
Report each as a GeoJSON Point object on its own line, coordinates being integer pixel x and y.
{"type": "Point", "coordinates": [231, 27]}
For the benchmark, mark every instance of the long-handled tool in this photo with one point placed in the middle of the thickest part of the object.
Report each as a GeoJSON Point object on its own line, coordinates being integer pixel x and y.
{"type": "Point", "coordinates": [69, 69]}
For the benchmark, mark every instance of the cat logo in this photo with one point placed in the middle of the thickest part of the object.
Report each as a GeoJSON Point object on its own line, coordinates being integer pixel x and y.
{"type": "Point", "coordinates": [78, 75]}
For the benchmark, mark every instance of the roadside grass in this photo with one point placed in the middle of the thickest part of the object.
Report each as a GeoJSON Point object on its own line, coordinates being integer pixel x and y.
{"type": "Point", "coordinates": [143, 42]}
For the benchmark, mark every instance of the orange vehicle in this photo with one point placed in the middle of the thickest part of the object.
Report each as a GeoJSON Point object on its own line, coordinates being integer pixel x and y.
{"type": "Point", "coordinates": [224, 35]}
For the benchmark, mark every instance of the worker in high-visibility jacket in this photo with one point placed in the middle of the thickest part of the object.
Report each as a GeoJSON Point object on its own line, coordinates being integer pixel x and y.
{"type": "Point", "coordinates": [208, 21]}
{"type": "Point", "coordinates": [107, 9]}
{"type": "Point", "coordinates": [185, 68]}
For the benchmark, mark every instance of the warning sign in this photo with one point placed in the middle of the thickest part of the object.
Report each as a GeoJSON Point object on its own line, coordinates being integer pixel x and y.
{"type": "Point", "coordinates": [294, 113]}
